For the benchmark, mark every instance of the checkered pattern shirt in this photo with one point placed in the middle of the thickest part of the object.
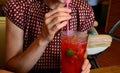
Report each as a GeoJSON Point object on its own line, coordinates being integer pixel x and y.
{"type": "Point", "coordinates": [28, 15]}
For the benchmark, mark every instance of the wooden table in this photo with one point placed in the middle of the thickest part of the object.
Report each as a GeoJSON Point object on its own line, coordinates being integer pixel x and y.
{"type": "Point", "coordinates": [110, 69]}
{"type": "Point", "coordinates": [4, 71]}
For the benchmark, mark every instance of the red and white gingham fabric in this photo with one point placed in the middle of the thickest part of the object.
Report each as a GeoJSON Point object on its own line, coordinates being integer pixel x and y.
{"type": "Point", "coordinates": [29, 16]}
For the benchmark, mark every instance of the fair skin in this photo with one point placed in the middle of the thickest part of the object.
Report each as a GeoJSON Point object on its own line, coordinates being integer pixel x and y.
{"type": "Point", "coordinates": [22, 61]}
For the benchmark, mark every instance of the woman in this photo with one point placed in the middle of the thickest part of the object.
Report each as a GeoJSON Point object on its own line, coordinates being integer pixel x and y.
{"type": "Point", "coordinates": [33, 33]}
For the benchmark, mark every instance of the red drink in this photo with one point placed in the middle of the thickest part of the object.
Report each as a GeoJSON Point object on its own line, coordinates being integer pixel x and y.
{"type": "Point", "coordinates": [73, 50]}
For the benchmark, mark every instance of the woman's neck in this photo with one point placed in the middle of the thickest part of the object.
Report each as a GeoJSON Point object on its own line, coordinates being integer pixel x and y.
{"type": "Point", "coordinates": [54, 3]}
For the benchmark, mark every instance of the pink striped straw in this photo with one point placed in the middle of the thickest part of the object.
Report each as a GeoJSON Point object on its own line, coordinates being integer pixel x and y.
{"type": "Point", "coordinates": [67, 31]}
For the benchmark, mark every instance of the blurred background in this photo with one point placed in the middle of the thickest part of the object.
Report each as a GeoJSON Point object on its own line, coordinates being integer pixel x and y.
{"type": "Point", "coordinates": [106, 14]}
{"type": "Point", "coordinates": [2, 34]}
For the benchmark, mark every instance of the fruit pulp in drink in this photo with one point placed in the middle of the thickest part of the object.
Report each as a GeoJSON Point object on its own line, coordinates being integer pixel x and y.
{"type": "Point", "coordinates": [72, 50]}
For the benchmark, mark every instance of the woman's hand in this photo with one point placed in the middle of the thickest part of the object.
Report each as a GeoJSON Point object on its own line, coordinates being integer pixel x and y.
{"type": "Point", "coordinates": [86, 66]}
{"type": "Point", "coordinates": [54, 21]}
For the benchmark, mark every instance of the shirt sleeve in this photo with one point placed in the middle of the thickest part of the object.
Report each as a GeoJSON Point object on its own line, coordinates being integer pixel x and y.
{"type": "Point", "coordinates": [14, 11]}
{"type": "Point", "coordinates": [86, 16]}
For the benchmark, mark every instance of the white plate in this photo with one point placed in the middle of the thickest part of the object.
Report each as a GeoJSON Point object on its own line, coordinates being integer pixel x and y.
{"type": "Point", "coordinates": [96, 50]}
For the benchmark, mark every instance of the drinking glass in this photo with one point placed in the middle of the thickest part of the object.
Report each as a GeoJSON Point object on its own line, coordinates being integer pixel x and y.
{"type": "Point", "coordinates": [73, 48]}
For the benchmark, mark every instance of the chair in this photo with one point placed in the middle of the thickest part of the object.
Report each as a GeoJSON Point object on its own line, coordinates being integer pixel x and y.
{"type": "Point", "coordinates": [113, 29]}
{"type": "Point", "coordinates": [97, 43]}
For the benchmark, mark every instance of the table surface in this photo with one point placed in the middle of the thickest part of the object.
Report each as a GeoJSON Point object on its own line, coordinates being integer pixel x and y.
{"type": "Point", "coordinates": [110, 69]}
{"type": "Point", "coordinates": [4, 71]}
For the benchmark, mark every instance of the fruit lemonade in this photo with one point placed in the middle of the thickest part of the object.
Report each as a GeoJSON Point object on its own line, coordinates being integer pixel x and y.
{"type": "Point", "coordinates": [73, 48]}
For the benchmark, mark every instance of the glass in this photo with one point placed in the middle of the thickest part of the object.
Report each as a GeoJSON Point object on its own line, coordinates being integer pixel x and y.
{"type": "Point", "coordinates": [73, 48]}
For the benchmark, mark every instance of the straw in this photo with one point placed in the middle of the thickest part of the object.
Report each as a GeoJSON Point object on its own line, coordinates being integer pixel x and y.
{"type": "Point", "coordinates": [67, 31]}
{"type": "Point", "coordinates": [67, 4]}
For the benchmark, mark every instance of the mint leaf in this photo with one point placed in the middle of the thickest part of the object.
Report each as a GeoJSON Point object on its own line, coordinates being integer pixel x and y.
{"type": "Point", "coordinates": [69, 52]}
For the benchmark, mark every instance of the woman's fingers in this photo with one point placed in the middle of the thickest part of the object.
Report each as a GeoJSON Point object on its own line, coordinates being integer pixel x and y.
{"type": "Point", "coordinates": [87, 70]}
{"type": "Point", "coordinates": [86, 66]}
{"type": "Point", "coordinates": [58, 20]}
{"type": "Point", "coordinates": [56, 16]}
{"type": "Point", "coordinates": [57, 10]}
{"type": "Point", "coordinates": [55, 20]}
{"type": "Point", "coordinates": [59, 26]}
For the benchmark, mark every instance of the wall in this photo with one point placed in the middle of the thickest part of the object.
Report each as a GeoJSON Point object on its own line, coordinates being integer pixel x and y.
{"type": "Point", "coordinates": [2, 2]}
{"type": "Point", "coordinates": [113, 16]}
{"type": "Point", "coordinates": [2, 41]}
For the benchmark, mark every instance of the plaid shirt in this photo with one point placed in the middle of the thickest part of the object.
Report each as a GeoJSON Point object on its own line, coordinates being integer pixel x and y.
{"type": "Point", "coordinates": [29, 16]}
